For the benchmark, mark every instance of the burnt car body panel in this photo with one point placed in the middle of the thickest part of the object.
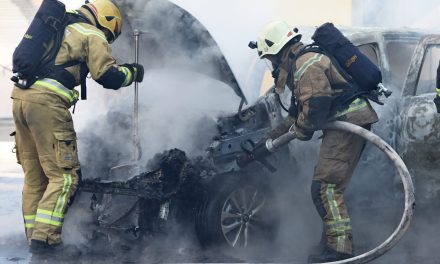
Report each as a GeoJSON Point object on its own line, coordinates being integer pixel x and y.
{"type": "Point", "coordinates": [402, 56]}
{"type": "Point", "coordinates": [419, 134]}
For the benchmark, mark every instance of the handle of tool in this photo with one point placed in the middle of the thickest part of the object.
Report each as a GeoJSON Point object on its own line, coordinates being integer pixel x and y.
{"type": "Point", "coordinates": [275, 144]}
{"type": "Point", "coordinates": [137, 143]}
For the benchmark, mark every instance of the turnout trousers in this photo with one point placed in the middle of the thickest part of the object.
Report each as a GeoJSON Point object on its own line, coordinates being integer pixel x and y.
{"type": "Point", "coordinates": [339, 154]}
{"type": "Point", "coordinates": [46, 149]}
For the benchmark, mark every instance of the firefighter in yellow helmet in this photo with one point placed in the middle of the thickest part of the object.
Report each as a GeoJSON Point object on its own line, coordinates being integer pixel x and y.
{"type": "Point", "coordinates": [45, 135]}
{"type": "Point", "coordinates": [316, 84]}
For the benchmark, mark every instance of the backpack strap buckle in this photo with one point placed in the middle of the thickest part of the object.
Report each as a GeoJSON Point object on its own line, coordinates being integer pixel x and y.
{"type": "Point", "coordinates": [53, 23]}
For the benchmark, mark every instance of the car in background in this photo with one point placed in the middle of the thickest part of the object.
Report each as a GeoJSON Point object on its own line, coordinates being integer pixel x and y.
{"type": "Point", "coordinates": [409, 61]}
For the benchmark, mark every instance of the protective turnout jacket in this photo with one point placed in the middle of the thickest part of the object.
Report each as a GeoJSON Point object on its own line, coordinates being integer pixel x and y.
{"type": "Point", "coordinates": [318, 84]}
{"type": "Point", "coordinates": [319, 90]}
{"type": "Point", "coordinates": [82, 42]}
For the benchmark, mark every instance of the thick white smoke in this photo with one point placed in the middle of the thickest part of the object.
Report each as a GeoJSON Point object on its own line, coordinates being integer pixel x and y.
{"type": "Point", "coordinates": [178, 108]}
{"type": "Point", "coordinates": [422, 14]}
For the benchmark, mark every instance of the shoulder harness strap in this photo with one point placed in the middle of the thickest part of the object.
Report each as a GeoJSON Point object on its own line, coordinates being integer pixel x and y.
{"type": "Point", "coordinates": [351, 90]}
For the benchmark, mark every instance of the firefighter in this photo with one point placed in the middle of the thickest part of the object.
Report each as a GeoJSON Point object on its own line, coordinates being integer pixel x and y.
{"type": "Point", "coordinates": [317, 87]}
{"type": "Point", "coordinates": [437, 98]}
{"type": "Point", "coordinates": [45, 135]}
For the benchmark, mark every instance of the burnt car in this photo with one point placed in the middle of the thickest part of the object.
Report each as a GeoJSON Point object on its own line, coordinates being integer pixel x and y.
{"type": "Point", "coordinates": [418, 141]}
{"type": "Point", "coordinates": [227, 205]}
{"type": "Point", "coordinates": [223, 204]}
{"type": "Point", "coordinates": [409, 61]}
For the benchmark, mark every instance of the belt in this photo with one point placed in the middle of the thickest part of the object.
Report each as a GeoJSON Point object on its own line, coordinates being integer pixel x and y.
{"type": "Point", "coordinates": [55, 86]}
{"type": "Point", "coordinates": [354, 106]}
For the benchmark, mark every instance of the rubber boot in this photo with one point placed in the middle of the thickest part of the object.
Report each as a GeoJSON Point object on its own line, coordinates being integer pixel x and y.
{"type": "Point", "coordinates": [318, 248]}
{"type": "Point", "coordinates": [42, 249]}
{"type": "Point", "coordinates": [328, 255]}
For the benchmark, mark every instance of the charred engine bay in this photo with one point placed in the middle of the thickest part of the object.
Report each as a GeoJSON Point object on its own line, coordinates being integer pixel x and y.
{"type": "Point", "coordinates": [161, 184]}
{"type": "Point", "coordinates": [176, 180]}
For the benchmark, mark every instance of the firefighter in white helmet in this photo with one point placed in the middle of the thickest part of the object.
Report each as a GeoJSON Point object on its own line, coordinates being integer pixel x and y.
{"type": "Point", "coordinates": [45, 135]}
{"type": "Point", "coordinates": [315, 83]}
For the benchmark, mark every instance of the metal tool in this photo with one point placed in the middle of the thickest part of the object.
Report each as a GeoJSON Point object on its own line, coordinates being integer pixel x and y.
{"type": "Point", "coordinates": [382, 90]}
{"type": "Point", "coordinates": [137, 143]}
{"type": "Point", "coordinates": [133, 168]}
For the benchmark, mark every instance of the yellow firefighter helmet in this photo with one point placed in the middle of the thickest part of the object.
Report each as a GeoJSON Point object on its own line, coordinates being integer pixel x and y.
{"type": "Point", "coordinates": [108, 16]}
{"type": "Point", "coordinates": [274, 36]}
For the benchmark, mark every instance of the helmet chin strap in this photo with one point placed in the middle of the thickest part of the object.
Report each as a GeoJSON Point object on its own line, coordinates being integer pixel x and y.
{"type": "Point", "coordinates": [280, 76]}
{"type": "Point", "coordinates": [108, 35]}
{"type": "Point", "coordinates": [282, 71]}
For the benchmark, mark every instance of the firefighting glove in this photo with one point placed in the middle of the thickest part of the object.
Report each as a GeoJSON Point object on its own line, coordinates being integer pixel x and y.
{"type": "Point", "coordinates": [137, 70]}
{"type": "Point", "coordinates": [437, 100]}
{"type": "Point", "coordinates": [303, 134]}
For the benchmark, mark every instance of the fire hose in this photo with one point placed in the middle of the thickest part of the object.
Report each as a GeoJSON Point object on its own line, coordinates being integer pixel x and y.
{"type": "Point", "coordinates": [271, 146]}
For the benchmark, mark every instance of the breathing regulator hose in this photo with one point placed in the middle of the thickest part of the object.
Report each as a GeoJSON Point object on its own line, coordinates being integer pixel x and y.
{"type": "Point", "coordinates": [402, 170]}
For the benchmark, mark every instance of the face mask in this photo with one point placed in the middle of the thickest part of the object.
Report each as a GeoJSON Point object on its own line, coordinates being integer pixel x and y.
{"type": "Point", "coordinates": [280, 75]}
{"type": "Point", "coordinates": [281, 71]}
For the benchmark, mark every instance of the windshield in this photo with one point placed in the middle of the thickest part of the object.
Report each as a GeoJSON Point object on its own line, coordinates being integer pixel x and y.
{"type": "Point", "coordinates": [399, 56]}
{"type": "Point", "coordinates": [428, 73]}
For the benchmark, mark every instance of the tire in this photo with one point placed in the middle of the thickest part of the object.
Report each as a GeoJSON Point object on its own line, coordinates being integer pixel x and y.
{"type": "Point", "coordinates": [238, 214]}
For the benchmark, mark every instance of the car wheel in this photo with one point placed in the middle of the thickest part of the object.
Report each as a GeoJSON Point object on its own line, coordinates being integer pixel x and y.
{"type": "Point", "coordinates": [239, 213]}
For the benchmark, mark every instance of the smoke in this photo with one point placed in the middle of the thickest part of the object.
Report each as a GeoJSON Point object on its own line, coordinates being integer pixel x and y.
{"type": "Point", "coordinates": [418, 245]}
{"type": "Point", "coordinates": [396, 14]}
{"type": "Point", "coordinates": [180, 100]}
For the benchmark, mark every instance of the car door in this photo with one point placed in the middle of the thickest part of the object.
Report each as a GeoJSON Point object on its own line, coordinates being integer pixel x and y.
{"type": "Point", "coordinates": [418, 139]}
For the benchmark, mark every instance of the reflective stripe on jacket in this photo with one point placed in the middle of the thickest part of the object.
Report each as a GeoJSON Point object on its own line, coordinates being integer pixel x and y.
{"type": "Point", "coordinates": [84, 43]}
{"type": "Point", "coordinates": [316, 83]}
{"type": "Point", "coordinates": [55, 86]}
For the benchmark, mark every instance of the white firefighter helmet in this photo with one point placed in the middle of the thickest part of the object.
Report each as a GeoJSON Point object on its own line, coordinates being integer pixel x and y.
{"type": "Point", "coordinates": [274, 36]}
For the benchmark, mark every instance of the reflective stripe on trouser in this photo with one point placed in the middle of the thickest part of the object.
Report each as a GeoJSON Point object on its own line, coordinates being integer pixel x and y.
{"type": "Point", "coordinates": [55, 86]}
{"type": "Point", "coordinates": [50, 181]}
{"type": "Point", "coordinates": [29, 221]}
{"type": "Point", "coordinates": [338, 157]}
{"type": "Point", "coordinates": [438, 91]}
{"type": "Point", "coordinates": [49, 217]}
